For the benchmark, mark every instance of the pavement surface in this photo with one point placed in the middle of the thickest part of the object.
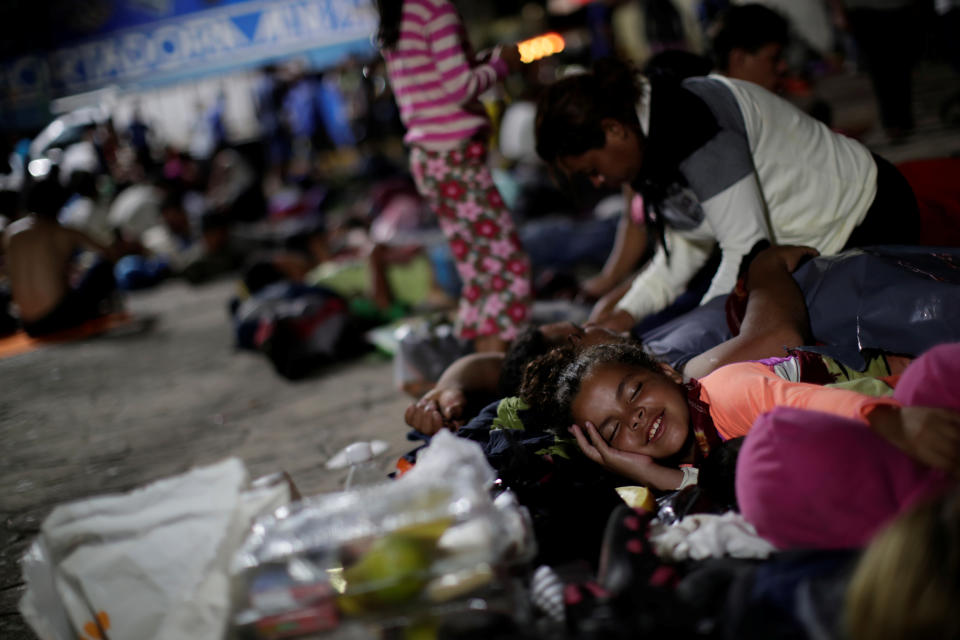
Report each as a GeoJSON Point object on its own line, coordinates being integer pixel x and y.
{"type": "Point", "coordinates": [113, 413]}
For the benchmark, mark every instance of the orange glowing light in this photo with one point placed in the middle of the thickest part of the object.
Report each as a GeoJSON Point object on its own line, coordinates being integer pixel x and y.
{"type": "Point", "coordinates": [540, 47]}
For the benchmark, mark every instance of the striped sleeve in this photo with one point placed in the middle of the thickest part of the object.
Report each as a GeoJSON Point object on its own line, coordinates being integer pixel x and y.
{"type": "Point", "coordinates": [444, 34]}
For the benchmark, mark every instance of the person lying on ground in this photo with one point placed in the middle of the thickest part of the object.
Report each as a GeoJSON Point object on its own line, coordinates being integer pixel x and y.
{"type": "Point", "coordinates": [381, 281]}
{"type": "Point", "coordinates": [51, 288]}
{"type": "Point", "coordinates": [859, 306]}
{"type": "Point", "coordinates": [789, 485]}
{"type": "Point", "coordinates": [636, 417]}
{"type": "Point", "coordinates": [775, 318]}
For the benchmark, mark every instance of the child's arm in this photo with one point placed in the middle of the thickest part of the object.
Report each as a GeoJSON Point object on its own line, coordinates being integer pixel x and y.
{"type": "Point", "coordinates": [443, 405]}
{"type": "Point", "coordinates": [462, 81]}
{"type": "Point", "coordinates": [776, 314]}
{"type": "Point", "coordinates": [628, 248]}
{"type": "Point", "coordinates": [634, 466]}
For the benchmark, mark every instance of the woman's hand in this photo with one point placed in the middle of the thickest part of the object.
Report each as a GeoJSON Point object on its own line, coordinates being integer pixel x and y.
{"type": "Point", "coordinates": [635, 466]}
{"type": "Point", "coordinates": [438, 408]}
{"type": "Point", "coordinates": [606, 306]}
{"type": "Point", "coordinates": [594, 288]}
{"type": "Point", "coordinates": [510, 53]}
{"type": "Point", "coordinates": [618, 320]}
{"type": "Point", "coordinates": [927, 434]}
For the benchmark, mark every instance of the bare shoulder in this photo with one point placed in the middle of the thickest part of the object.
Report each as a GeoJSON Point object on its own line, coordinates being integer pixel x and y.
{"type": "Point", "coordinates": [17, 232]}
{"type": "Point", "coordinates": [18, 226]}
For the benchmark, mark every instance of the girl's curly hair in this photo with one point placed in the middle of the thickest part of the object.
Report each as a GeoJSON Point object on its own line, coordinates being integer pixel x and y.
{"type": "Point", "coordinates": [552, 381]}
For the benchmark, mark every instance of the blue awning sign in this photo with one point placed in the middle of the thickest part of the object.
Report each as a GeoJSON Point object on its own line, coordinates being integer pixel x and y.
{"type": "Point", "coordinates": [233, 36]}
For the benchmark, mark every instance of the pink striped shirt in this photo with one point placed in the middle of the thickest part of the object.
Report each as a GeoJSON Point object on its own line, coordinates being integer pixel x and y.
{"type": "Point", "coordinates": [435, 81]}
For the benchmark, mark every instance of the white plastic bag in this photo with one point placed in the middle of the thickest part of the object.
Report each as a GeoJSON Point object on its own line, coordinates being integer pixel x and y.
{"type": "Point", "coordinates": [152, 563]}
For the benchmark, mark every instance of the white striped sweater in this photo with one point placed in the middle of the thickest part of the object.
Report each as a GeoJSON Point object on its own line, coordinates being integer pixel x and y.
{"type": "Point", "coordinates": [434, 78]}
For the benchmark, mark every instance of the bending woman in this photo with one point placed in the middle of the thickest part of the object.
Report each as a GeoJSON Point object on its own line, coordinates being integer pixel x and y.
{"type": "Point", "coordinates": [717, 161]}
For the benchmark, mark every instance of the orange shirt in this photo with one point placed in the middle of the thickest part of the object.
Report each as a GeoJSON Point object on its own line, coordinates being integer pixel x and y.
{"type": "Point", "coordinates": [738, 394]}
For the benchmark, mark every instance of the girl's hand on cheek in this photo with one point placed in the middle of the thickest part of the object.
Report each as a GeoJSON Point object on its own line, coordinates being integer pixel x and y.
{"type": "Point", "coordinates": [635, 466]}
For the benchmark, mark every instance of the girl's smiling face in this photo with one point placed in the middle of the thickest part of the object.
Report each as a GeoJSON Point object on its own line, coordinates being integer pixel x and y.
{"type": "Point", "coordinates": [635, 409]}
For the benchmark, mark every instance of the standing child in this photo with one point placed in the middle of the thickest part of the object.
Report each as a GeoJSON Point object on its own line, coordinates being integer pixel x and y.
{"type": "Point", "coordinates": [436, 83]}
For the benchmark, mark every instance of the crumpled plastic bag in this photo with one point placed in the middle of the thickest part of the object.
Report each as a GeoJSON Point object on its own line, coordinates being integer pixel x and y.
{"type": "Point", "coordinates": [425, 543]}
{"type": "Point", "coordinates": [152, 563]}
{"type": "Point", "coordinates": [423, 350]}
{"type": "Point", "coordinates": [448, 456]}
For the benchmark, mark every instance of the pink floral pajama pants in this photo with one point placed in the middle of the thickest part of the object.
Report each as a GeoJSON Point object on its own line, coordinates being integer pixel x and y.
{"type": "Point", "coordinates": [495, 270]}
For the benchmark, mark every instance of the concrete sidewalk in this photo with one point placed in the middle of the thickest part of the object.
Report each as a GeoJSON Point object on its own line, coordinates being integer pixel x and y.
{"type": "Point", "coordinates": [113, 413]}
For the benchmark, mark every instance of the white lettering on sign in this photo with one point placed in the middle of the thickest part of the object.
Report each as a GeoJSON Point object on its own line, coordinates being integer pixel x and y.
{"type": "Point", "coordinates": [211, 39]}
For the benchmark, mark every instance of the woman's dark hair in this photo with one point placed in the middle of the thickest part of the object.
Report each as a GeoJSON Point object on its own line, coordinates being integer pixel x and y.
{"type": "Point", "coordinates": [388, 33]}
{"type": "Point", "coordinates": [570, 111]}
{"type": "Point", "coordinates": [552, 381]}
{"type": "Point", "coordinates": [749, 27]}
{"type": "Point", "coordinates": [676, 64]}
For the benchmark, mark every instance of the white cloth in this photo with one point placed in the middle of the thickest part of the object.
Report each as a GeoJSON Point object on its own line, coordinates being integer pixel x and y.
{"type": "Point", "coordinates": [80, 156]}
{"type": "Point", "coordinates": [160, 242]}
{"type": "Point", "coordinates": [135, 209]}
{"type": "Point", "coordinates": [149, 564]}
{"type": "Point", "coordinates": [708, 536]}
{"type": "Point", "coordinates": [691, 475]}
{"type": "Point", "coordinates": [89, 216]}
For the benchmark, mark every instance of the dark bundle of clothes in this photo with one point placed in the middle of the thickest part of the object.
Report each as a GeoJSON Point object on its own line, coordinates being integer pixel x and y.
{"type": "Point", "coordinates": [568, 496]}
{"type": "Point", "coordinates": [615, 584]}
{"type": "Point", "coordinates": [298, 327]}
{"type": "Point", "coordinates": [789, 595]}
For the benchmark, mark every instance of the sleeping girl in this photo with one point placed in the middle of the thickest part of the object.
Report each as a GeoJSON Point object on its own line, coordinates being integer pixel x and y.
{"type": "Point", "coordinates": [637, 417]}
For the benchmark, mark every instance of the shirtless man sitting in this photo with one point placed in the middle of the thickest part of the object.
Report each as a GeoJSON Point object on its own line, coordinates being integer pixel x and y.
{"type": "Point", "coordinates": [46, 281]}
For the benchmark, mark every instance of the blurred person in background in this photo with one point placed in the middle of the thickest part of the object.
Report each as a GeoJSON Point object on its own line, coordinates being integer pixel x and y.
{"type": "Point", "coordinates": [749, 45]}
{"type": "Point", "coordinates": [890, 37]}
{"type": "Point", "coordinates": [138, 137]}
{"type": "Point", "coordinates": [268, 101]}
{"type": "Point", "coordinates": [52, 289]}
{"type": "Point", "coordinates": [302, 117]}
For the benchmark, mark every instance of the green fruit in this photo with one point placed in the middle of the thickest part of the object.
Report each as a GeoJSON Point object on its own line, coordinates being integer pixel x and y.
{"type": "Point", "coordinates": [391, 572]}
